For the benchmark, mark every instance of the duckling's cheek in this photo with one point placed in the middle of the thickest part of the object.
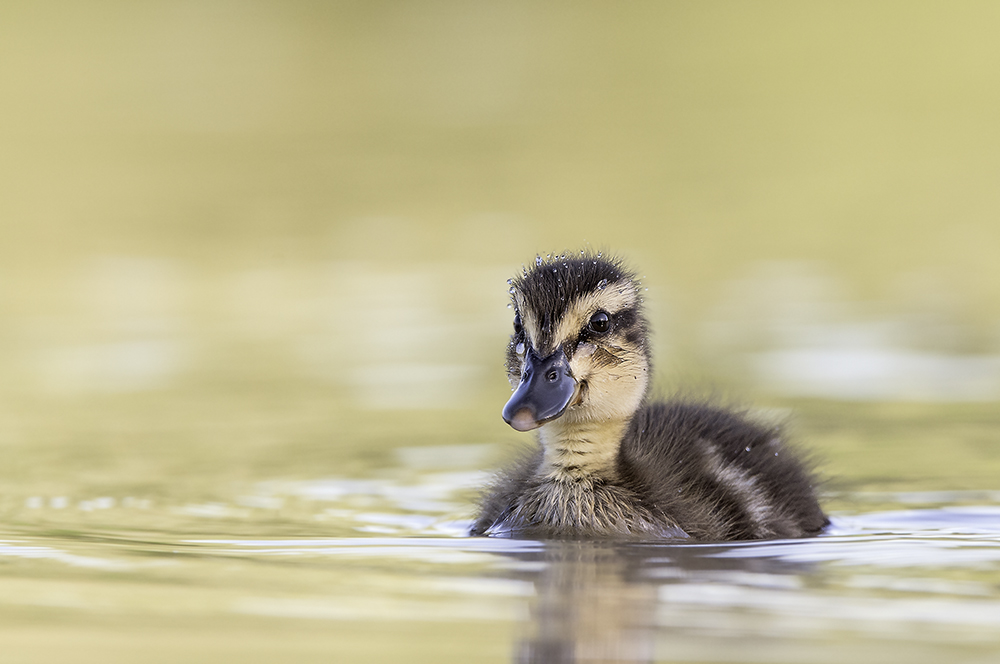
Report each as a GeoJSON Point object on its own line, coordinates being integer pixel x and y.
{"type": "Point", "coordinates": [582, 360]}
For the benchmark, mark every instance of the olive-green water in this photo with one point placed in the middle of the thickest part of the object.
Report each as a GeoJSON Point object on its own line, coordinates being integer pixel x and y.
{"type": "Point", "coordinates": [252, 317]}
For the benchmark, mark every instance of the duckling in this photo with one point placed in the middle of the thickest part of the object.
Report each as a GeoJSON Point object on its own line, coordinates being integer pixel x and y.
{"type": "Point", "coordinates": [610, 463]}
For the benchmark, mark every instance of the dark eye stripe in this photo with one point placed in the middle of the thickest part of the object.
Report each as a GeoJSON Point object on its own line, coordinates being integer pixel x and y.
{"type": "Point", "coordinates": [625, 318]}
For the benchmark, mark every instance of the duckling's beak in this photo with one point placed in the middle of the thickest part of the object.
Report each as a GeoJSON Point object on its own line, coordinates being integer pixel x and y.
{"type": "Point", "coordinates": [545, 391]}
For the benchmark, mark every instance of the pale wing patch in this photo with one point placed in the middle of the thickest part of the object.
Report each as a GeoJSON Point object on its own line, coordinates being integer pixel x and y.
{"type": "Point", "coordinates": [744, 486]}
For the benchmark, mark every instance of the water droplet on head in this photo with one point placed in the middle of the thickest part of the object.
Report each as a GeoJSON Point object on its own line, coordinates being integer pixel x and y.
{"type": "Point", "coordinates": [747, 448]}
{"type": "Point", "coordinates": [599, 254]}
{"type": "Point", "coordinates": [510, 282]}
{"type": "Point", "coordinates": [602, 284]}
{"type": "Point", "coordinates": [511, 290]}
{"type": "Point", "coordinates": [510, 306]}
{"type": "Point", "coordinates": [538, 260]}
{"type": "Point", "coordinates": [519, 348]}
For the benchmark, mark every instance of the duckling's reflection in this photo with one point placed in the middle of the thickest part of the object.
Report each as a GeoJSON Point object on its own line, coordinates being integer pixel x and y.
{"type": "Point", "coordinates": [589, 606]}
{"type": "Point", "coordinates": [597, 601]}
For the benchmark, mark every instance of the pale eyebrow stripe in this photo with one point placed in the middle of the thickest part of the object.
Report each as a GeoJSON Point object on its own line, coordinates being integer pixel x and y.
{"type": "Point", "coordinates": [614, 298]}
{"type": "Point", "coordinates": [528, 320]}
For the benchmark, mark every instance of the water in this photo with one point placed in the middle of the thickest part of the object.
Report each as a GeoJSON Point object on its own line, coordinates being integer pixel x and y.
{"type": "Point", "coordinates": [402, 581]}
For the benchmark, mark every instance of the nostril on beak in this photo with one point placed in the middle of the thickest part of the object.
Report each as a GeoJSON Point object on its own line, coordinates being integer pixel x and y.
{"type": "Point", "coordinates": [552, 376]}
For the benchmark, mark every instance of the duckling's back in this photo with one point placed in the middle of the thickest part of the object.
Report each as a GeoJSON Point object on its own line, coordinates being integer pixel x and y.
{"type": "Point", "coordinates": [717, 474]}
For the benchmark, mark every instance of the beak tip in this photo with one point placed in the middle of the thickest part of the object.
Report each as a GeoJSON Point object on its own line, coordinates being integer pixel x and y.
{"type": "Point", "coordinates": [523, 420]}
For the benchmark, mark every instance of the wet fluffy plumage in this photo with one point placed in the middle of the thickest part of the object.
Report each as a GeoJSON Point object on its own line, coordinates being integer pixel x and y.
{"type": "Point", "coordinates": [612, 465]}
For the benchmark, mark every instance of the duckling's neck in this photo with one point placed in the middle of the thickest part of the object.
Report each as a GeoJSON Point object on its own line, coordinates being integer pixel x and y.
{"type": "Point", "coordinates": [581, 450]}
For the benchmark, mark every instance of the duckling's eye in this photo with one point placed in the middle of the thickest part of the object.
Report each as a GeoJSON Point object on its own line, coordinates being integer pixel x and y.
{"type": "Point", "coordinates": [517, 324]}
{"type": "Point", "coordinates": [600, 323]}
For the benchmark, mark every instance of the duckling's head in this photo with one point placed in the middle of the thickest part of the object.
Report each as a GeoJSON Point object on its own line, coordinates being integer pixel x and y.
{"type": "Point", "coordinates": [578, 353]}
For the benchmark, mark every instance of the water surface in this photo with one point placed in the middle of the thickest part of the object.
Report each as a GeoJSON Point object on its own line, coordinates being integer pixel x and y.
{"type": "Point", "coordinates": [378, 568]}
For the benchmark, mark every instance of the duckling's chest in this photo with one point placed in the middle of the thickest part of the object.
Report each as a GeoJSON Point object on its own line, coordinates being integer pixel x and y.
{"type": "Point", "coordinates": [583, 507]}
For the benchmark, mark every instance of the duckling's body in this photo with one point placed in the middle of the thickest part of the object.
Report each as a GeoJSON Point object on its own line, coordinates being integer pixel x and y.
{"type": "Point", "coordinates": [609, 464]}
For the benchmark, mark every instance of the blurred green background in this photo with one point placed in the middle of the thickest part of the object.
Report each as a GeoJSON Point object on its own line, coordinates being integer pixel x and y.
{"type": "Point", "coordinates": [252, 282]}
{"type": "Point", "coordinates": [247, 239]}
